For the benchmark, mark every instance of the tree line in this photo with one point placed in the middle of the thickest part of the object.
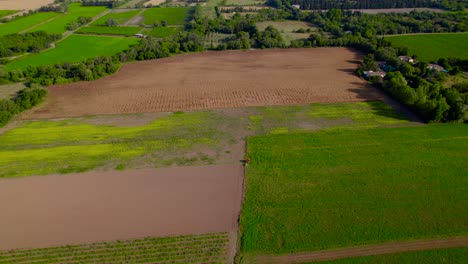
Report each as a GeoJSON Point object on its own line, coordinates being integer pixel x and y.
{"type": "Point", "coordinates": [25, 99]}
{"type": "Point", "coordinates": [371, 4]}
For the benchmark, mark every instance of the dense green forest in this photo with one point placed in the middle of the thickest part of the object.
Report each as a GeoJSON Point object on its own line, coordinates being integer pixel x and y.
{"type": "Point", "coordinates": [15, 44]}
{"type": "Point", "coordinates": [372, 4]}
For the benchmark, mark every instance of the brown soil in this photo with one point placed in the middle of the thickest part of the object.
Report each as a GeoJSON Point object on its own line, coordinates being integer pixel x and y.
{"type": "Point", "coordinates": [82, 208]}
{"type": "Point", "coordinates": [387, 248]}
{"type": "Point", "coordinates": [23, 4]}
{"type": "Point", "coordinates": [212, 80]}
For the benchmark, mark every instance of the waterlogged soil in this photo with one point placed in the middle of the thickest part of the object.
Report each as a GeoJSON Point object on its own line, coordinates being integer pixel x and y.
{"type": "Point", "coordinates": [104, 206]}
{"type": "Point", "coordinates": [214, 80]}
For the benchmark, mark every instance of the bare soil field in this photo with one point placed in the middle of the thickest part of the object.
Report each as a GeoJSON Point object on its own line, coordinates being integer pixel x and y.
{"type": "Point", "coordinates": [105, 206]}
{"type": "Point", "coordinates": [155, 2]}
{"type": "Point", "coordinates": [213, 80]}
{"type": "Point", "coordinates": [23, 4]}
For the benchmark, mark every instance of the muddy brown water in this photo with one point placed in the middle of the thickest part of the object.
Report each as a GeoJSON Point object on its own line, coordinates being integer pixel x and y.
{"type": "Point", "coordinates": [89, 207]}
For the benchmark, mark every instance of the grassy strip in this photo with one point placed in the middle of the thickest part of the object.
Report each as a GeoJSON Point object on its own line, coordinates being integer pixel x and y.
{"type": "Point", "coordinates": [163, 32]}
{"type": "Point", "coordinates": [341, 188]}
{"type": "Point", "coordinates": [431, 47]}
{"type": "Point", "coordinates": [23, 23]}
{"type": "Point", "coordinates": [75, 10]}
{"type": "Point", "coordinates": [197, 248]}
{"type": "Point", "coordinates": [65, 51]}
{"type": "Point", "coordinates": [172, 15]}
{"type": "Point", "coordinates": [450, 255]}
{"type": "Point", "coordinates": [7, 12]}
{"type": "Point", "coordinates": [126, 31]}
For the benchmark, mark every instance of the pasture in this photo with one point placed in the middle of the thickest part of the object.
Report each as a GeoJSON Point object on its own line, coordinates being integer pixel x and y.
{"type": "Point", "coordinates": [23, 23]}
{"type": "Point", "coordinates": [343, 188]}
{"type": "Point", "coordinates": [75, 10]}
{"type": "Point", "coordinates": [206, 248]}
{"type": "Point", "coordinates": [121, 17]}
{"type": "Point", "coordinates": [288, 29]}
{"type": "Point", "coordinates": [126, 31]}
{"type": "Point", "coordinates": [89, 46]}
{"type": "Point", "coordinates": [206, 81]}
{"type": "Point", "coordinates": [431, 47]}
{"type": "Point", "coordinates": [163, 32]}
{"type": "Point", "coordinates": [439, 256]}
{"type": "Point", "coordinates": [172, 15]}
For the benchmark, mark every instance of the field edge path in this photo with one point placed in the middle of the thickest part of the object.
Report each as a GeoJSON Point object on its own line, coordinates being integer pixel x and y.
{"type": "Point", "coordinates": [368, 250]}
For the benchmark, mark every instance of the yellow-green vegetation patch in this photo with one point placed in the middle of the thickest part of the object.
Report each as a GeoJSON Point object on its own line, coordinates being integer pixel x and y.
{"type": "Point", "coordinates": [290, 30]}
{"type": "Point", "coordinates": [120, 17]}
{"type": "Point", "coordinates": [22, 23]}
{"type": "Point", "coordinates": [206, 248]}
{"type": "Point", "coordinates": [172, 15]}
{"type": "Point", "coordinates": [75, 10]}
{"type": "Point", "coordinates": [431, 47]}
{"type": "Point", "coordinates": [340, 188]}
{"type": "Point", "coordinates": [65, 51]}
{"type": "Point", "coordinates": [9, 91]}
{"type": "Point", "coordinates": [163, 32]}
{"type": "Point", "coordinates": [438, 256]}
{"type": "Point", "coordinates": [47, 147]}
{"type": "Point", "coordinates": [125, 31]}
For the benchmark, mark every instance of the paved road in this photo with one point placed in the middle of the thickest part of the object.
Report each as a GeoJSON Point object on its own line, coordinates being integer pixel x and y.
{"type": "Point", "coordinates": [370, 250]}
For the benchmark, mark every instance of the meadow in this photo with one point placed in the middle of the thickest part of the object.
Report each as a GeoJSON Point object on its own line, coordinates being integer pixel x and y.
{"type": "Point", "coordinates": [24, 23]}
{"type": "Point", "coordinates": [7, 12]}
{"type": "Point", "coordinates": [188, 249]}
{"type": "Point", "coordinates": [288, 28]}
{"type": "Point", "coordinates": [121, 17]}
{"type": "Point", "coordinates": [431, 47]}
{"type": "Point", "coordinates": [126, 31]}
{"type": "Point", "coordinates": [75, 145]}
{"type": "Point", "coordinates": [89, 46]}
{"type": "Point", "coordinates": [172, 15]}
{"type": "Point", "coordinates": [162, 32]}
{"type": "Point", "coordinates": [331, 189]}
{"type": "Point", "coordinates": [75, 10]}
{"type": "Point", "coordinates": [450, 255]}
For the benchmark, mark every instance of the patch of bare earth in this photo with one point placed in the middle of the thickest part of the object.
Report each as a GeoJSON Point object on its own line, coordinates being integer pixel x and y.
{"type": "Point", "coordinates": [23, 4]}
{"type": "Point", "coordinates": [212, 80]}
{"type": "Point", "coordinates": [90, 207]}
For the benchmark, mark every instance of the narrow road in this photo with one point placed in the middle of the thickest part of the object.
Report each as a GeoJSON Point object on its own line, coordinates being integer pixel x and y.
{"type": "Point", "coordinates": [369, 250]}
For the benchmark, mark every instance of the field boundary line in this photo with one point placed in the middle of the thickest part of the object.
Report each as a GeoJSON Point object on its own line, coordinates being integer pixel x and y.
{"type": "Point", "coordinates": [42, 23]}
{"type": "Point", "coordinates": [138, 14]}
{"type": "Point", "coordinates": [422, 33]}
{"type": "Point", "coordinates": [368, 250]}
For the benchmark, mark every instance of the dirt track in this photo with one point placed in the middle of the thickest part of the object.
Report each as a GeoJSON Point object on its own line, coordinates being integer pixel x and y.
{"type": "Point", "coordinates": [54, 210]}
{"type": "Point", "coordinates": [212, 80]}
{"type": "Point", "coordinates": [381, 249]}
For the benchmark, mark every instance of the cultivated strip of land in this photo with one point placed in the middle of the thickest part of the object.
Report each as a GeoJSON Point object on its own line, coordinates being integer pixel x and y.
{"type": "Point", "coordinates": [368, 250]}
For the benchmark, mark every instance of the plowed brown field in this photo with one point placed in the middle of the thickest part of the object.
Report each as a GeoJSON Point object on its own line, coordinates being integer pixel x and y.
{"type": "Point", "coordinates": [213, 80]}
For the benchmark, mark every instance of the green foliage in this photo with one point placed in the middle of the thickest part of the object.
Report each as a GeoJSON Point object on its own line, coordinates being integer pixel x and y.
{"type": "Point", "coordinates": [431, 47]}
{"type": "Point", "coordinates": [206, 248]}
{"type": "Point", "coordinates": [269, 38]}
{"type": "Point", "coordinates": [15, 44]}
{"type": "Point", "coordinates": [7, 12]}
{"type": "Point", "coordinates": [172, 15]}
{"type": "Point", "coordinates": [126, 31]}
{"type": "Point", "coordinates": [65, 51]}
{"type": "Point", "coordinates": [60, 24]}
{"type": "Point", "coordinates": [352, 187]}
{"type": "Point", "coordinates": [436, 256]}
{"type": "Point", "coordinates": [24, 23]}
{"type": "Point", "coordinates": [24, 100]}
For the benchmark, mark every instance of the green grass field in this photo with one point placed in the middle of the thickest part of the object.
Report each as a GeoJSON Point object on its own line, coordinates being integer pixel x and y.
{"type": "Point", "coordinates": [7, 12]}
{"type": "Point", "coordinates": [163, 32]}
{"type": "Point", "coordinates": [172, 15]}
{"type": "Point", "coordinates": [126, 31]}
{"type": "Point", "coordinates": [45, 147]}
{"type": "Point", "coordinates": [121, 17]}
{"type": "Point", "coordinates": [65, 51]}
{"type": "Point", "coordinates": [287, 29]}
{"type": "Point", "coordinates": [431, 47]}
{"type": "Point", "coordinates": [207, 248]}
{"type": "Point", "coordinates": [23, 23]}
{"type": "Point", "coordinates": [75, 10]}
{"type": "Point", "coordinates": [439, 256]}
{"type": "Point", "coordinates": [331, 189]}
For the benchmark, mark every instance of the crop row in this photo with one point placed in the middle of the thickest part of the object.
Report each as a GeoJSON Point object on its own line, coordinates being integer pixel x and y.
{"type": "Point", "coordinates": [186, 248]}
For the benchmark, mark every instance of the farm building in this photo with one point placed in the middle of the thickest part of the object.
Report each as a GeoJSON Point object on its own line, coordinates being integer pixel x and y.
{"type": "Point", "coordinates": [435, 67]}
{"type": "Point", "coordinates": [369, 74]}
{"type": "Point", "coordinates": [407, 59]}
